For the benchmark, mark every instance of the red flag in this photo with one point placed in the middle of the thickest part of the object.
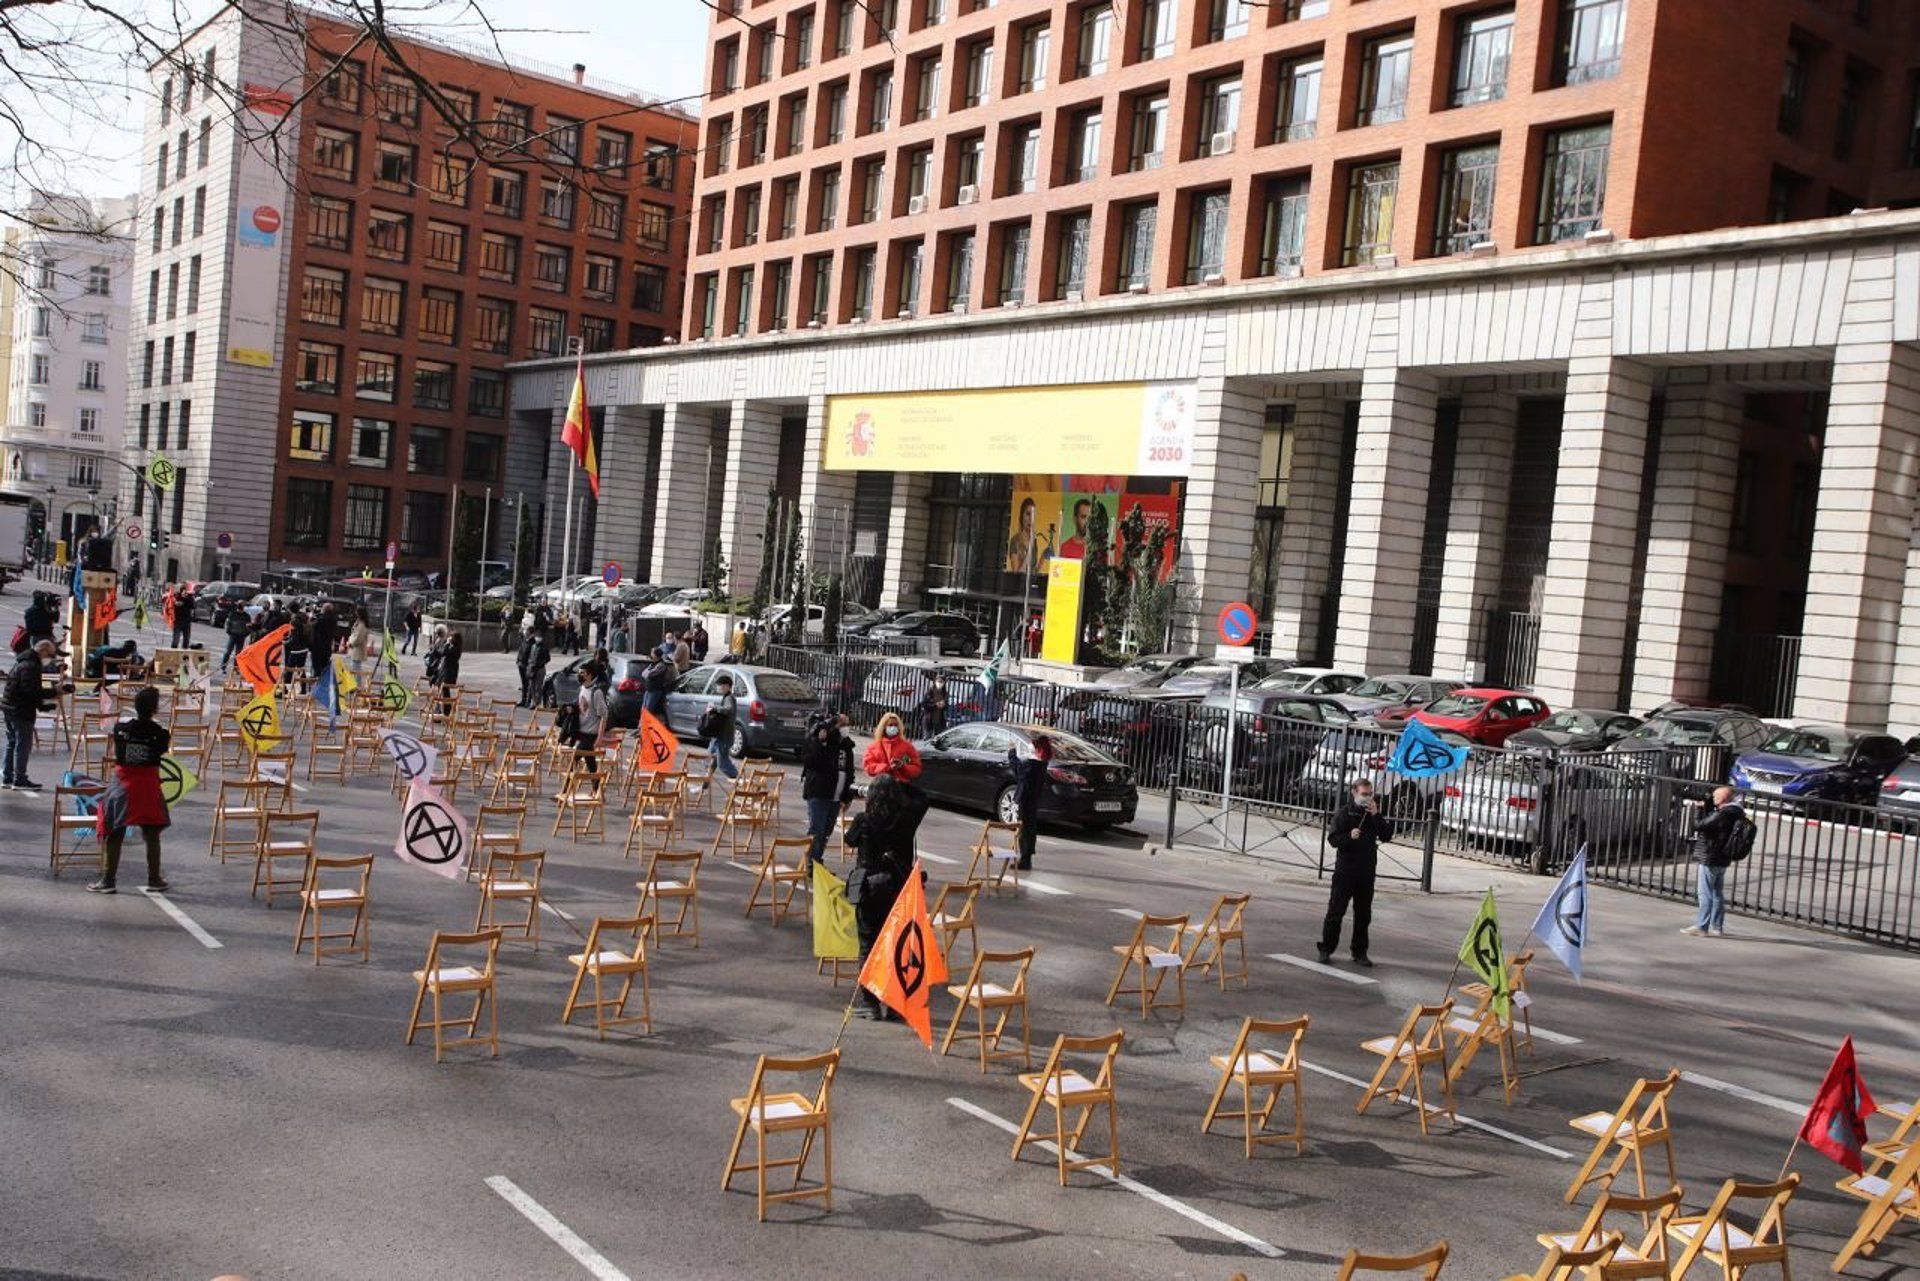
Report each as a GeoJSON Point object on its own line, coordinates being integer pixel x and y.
{"type": "Point", "coordinates": [577, 435]}
{"type": "Point", "coordinates": [1836, 1125]}
{"type": "Point", "coordinates": [906, 962]}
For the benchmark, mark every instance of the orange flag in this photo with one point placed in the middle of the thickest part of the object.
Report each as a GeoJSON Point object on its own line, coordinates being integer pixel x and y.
{"type": "Point", "coordinates": [906, 963]}
{"type": "Point", "coordinates": [106, 609]}
{"type": "Point", "coordinates": [261, 662]}
{"type": "Point", "coordinates": [577, 435]}
{"type": "Point", "coordinates": [658, 745]}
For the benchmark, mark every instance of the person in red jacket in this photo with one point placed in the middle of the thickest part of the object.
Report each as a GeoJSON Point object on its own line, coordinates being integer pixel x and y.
{"type": "Point", "coordinates": [891, 753]}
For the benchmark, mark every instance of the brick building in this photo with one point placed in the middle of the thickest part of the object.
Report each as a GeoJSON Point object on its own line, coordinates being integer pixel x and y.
{"type": "Point", "coordinates": [355, 260]}
{"type": "Point", "coordinates": [864, 161]}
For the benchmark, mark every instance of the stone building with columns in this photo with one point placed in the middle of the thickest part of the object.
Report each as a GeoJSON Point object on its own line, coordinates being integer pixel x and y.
{"type": "Point", "coordinates": [1608, 472]}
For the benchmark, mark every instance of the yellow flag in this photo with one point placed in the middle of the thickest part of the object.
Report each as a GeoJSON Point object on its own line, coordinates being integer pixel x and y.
{"type": "Point", "coordinates": [1483, 953]}
{"type": "Point", "coordinates": [176, 779]}
{"type": "Point", "coordinates": [260, 723]}
{"type": "Point", "coordinates": [343, 679]}
{"type": "Point", "coordinates": [834, 935]}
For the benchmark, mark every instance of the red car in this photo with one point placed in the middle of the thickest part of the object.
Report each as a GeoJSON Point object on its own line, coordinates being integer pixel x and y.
{"type": "Point", "coordinates": [1484, 715]}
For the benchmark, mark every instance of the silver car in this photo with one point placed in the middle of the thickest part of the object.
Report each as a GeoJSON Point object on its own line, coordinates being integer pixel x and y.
{"type": "Point", "coordinates": [1579, 800]}
{"type": "Point", "coordinates": [1356, 752]}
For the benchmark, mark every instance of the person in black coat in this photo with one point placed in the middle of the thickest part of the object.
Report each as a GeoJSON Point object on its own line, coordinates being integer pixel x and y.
{"type": "Point", "coordinates": [882, 839]}
{"type": "Point", "coordinates": [25, 696]}
{"type": "Point", "coordinates": [1355, 832]}
{"type": "Point", "coordinates": [1029, 786]}
{"type": "Point", "coordinates": [826, 780]}
{"type": "Point", "coordinates": [449, 674]}
{"type": "Point", "coordinates": [325, 632]}
{"type": "Point", "coordinates": [39, 618]}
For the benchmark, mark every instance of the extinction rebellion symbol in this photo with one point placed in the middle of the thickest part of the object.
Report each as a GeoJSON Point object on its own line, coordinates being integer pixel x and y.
{"type": "Point", "coordinates": [432, 836]}
{"type": "Point", "coordinates": [910, 959]}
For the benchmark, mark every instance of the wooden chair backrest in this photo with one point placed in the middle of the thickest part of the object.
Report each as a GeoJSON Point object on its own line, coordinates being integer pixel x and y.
{"type": "Point", "coordinates": [1007, 836]}
{"type": "Point", "coordinates": [1290, 1032]}
{"type": "Point", "coordinates": [1107, 1047]}
{"type": "Point", "coordinates": [516, 865]}
{"type": "Point", "coordinates": [1568, 1263]}
{"type": "Point", "coordinates": [294, 825]}
{"type": "Point", "coordinates": [361, 863]}
{"type": "Point", "coordinates": [630, 930]}
{"type": "Point", "coordinates": [1655, 1212]}
{"type": "Point", "coordinates": [686, 859]}
{"type": "Point", "coordinates": [968, 895]}
{"type": "Point", "coordinates": [1427, 1262]}
{"type": "Point", "coordinates": [826, 1065]}
{"type": "Point", "coordinates": [488, 938]}
{"type": "Point", "coordinates": [1016, 983]}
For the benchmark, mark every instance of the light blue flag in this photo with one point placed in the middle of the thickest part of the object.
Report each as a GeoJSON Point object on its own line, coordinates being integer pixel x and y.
{"type": "Point", "coordinates": [1421, 753]}
{"type": "Point", "coordinates": [1562, 923]}
{"type": "Point", "coordinates": [326, 692]}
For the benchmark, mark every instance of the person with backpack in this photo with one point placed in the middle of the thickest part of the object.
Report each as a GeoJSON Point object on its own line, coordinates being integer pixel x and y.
{"type": "Point", "coordinates": [134, 798]}
{"type": "Point", "coordinates": [716, 727]}
{"type": "Point", "coordinates": [1722, 836]}
{"type": "Point", "coordinates": [23, 698]}
{"type": "Point", "coordinates": [234, 623]}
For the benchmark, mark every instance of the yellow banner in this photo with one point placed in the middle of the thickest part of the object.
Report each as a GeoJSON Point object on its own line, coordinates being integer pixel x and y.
{"type": "Point", "coordinates": [1059, 643]}
{"type": "Point", "coordinates": [1121, 429]}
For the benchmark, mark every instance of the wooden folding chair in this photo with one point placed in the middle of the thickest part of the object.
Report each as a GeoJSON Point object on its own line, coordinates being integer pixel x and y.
{"type": "Point", "coordinates": [1522, 1022]}
{"type": "Point", "coordinates": [284, 838]}
{"type": "Point", "coordinates": [581, 805]}
{"type": "Point", "coordinates": [780, 879]}
{"type": "Point", "coordinates": [190, 743]}
{"type": "Point", "coordinates": [1224, 925]}
{"type": "Point", "coordinates": [443, 977]}
{"type": "Point", "coordinates": [699, 768]}
{"type": "Point", "coordinates": [1891, 1195]}
{"type": "Point", "coordinates": [788, 1113]}
{"type": "Point", "coordinates": [602, 961]}
{"type": "Point", "coordinates": [1632, 1261]}
{"type": "Point", "coordinates": [1272, 1070]}
{"type": "Point", "coordinates": [1888, 1151]}
{"type": "Point", "coordinates": [1001, 996]}
{"type": "Point", "coordinates": [239, 809]}
{"type": "Point", "coordinates": [1640, 1123]}
{"type": "Point", "coordinates": [1565, 1263]}
{"type": "Point", "coordinates": [74, 833]}
{"type": "Point", "coordinates": [274, 768]}
{"type": "Point", "coordinates": [656, 816]}
{"type": "Point", "coordinates": [318, 899]}
{"type": "Point", "coordinates": [330, 760]}
{"type": "Point", "coordinates": [1473, 1032]}
{"type": "Point", "coordinates": [1717, 1239]}
{"type": "Point", "coordinates": [1152, 964]}
{"type": "Point", "coordinates": [743, 822]}
{"type": "Point", "coordinates": [673, 876]}
{"type": "Point", "coordinates": [497, 829]}
{"type": "Point", "coordinates": [1427, 1263]}
{"type": "Point", "coordinates": [518, 781]}
{"type": "Point", "coordinates": [953, 915]}
{"type": "Point", "coordinates": [90, 751]}
{"type": "Point", "coordinates": [996, 856]}
{"type": "Point", "coordinates": [512, 877]}
{"type": "Point", "coordinates": [1421, 1042]}
{"type": "Point", "coordinates": [1065, 1089]}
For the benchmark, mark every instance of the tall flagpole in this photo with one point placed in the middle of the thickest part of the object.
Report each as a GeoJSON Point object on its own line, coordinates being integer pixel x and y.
{"type": "Point", "coordinates": [573, 465]}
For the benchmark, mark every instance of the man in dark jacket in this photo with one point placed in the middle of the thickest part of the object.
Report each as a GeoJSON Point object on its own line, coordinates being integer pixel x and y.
{"type": "Point", "coordinates": [826, 780]}
{"type": "Point", "coordinates": [534, 657]}
{"type": "Point", "coordinates": [183, 619]}
{"type": "Point", "coordinates": [1355, 832]}
{"type": "Point", "coordinates": [326, 630]}
{"type": "Point", "coordinates": [1029, 785]}
{"type": "Point", "coordinates": [39, 618]}
{"type": "Point", "coordinates": [1712, 851]}
{"type": "Point", "coordinates": [25, 697]}
{"type": "Point", "coordinates": [236, 624]}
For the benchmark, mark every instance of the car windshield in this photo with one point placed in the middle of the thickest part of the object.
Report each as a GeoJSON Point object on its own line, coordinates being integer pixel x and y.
{"type": "Point", "coordinates": [1457, 705]}
{"type": "Point", "coordinates": [1377, 688]}
{"type": "Point", "coordinates": [1569, 722]}
{"type": "Point", "coordinates": [1811, 744]}
{"type": "Point", "coordinates": [910, 620]}
{"type": "Point", "coordinates": [1681, 731]}
{"type": "Point", "coordinates": [1287, 680]}
{"type": "Point", "coordinates": [778, 687]}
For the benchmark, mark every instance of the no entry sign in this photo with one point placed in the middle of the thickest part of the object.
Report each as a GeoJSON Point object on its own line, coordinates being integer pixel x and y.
{"type": "Point", "coordinates": [1238, 623]}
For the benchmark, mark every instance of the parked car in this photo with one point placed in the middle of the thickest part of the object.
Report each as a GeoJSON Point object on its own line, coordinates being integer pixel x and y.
{"type": "Point", "coordinates": [968, 766]}
{"type": "Point", "coordinates": [1819, 762]}
{"type": "Point", "coordinates": [1900, 789]}
{"type": "Point", "coordinates": [955, 633]}
{"type": "Point", "coordinates": [1209, 674]}
{"type": "Point", "coordinates": [1143, 727]}
{"type": "Point", "coordinates": [1310, 680]}
{"type": "Point", "coordinates": [1274, 733]}
{"type": "Point", "coordinates": [898, 685]}
{"type": "Point", "coordinates": [1060, 707]}
{"type": "Point", "coordinates": [1577, 729]}
{"type": "Point", "coordinates": [623, 704]}
{"type": "Point", "coordinates": [1503, 800]}
{"type": "Point", "coordinates": [873, 618]}
{"type": "Point", "coordinates": [1145, 670]}
{"type": "Point", "coordinates": [1488, 716]}
{"type": "Point", "coordinates": [683, 603]}
{"type": "Point", "coordinates": [775, 619]}
{"type": "Point", "coordinates": [1358, 751]}
{"type": "Point", "coordinates": [775, 705]}
{"type": "Point", "coordinates": [1696, 743]}
{"type": "Point", "coordinates": [210, 595]}
{"type": "Point", "coordinates": [1395, 695]}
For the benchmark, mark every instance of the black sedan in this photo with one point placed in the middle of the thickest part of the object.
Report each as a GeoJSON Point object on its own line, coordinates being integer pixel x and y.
{"type": "Point", "coordinates": [1576, 729]}
{"type": "Point", "coordinates": [969, 767]}
{"type": "Point", "coordinates": [954, 633]}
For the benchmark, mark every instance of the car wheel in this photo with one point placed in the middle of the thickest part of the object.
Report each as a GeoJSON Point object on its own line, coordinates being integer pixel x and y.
{"type": "Point", "coordinates": [1006, 806]}
{"type": "Point", "coordinates": [738, 747]}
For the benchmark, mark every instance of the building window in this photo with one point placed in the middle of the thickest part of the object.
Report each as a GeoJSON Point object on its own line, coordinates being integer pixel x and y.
{"type": "Point", "coordinates": [829, 200]}
{"type": "Point", "coordinates": [709, 287]}
{"type": "Point", "coordinates": [99, 282]}
{"type": "Point", "coordinates": [563, 139]}
{"type": "Point", "coordinates": [860, 295]}
{"type": "Point", "coordinates": [486, 394]}
{"type": "Point", "coordinates": [1137, 225]}
{"type": "Point", "coordinates": [909, 279]}
{"type": "Point", "coordinates": [461, 107]}
{"type": "Point", "coordinates": [365, 527]}
{"type": "Point", "coordinates": [1283, 229]}
{"type": "Point", "coordinates": [743, 301]}
{"type": "Point", "coordinates": [833, 113]}
{"type": "Point", "coordinates": [1853, 85]}
{"type": "Point", "coordinates": [336, 153]}
{"type": "Point", "coordinates": [1096, 39]}
{"type": "Point", "coordinates": [372, 443]}
{"type": "Point", "coordinates": [203, 153]}
{"type": "Point", "coordinates": [1385, 65]}
{"type": "Point", "coordinates": [452, 177]}
{"type": "Point", "coordinates": [1083, 144]}
{"type": "Point", "coordinates": [432, 384]}
{"type": "Point", "coordinates": [513, 124]}
{"type": "Point", "coordinates": [788, 208]}
{"type": "Point", "coordinates": [1913, 124]}
{"type": "Point", "coordinates": [546, 331]}
{"type": "Point", "coordinates": [193, 285]}
{"type": "Point", "coordinates": [611, 150]}
{"type": "Point", "coordinates": [1070, 259]}
{"type": "Point", "coordinates": [779, 295]}
{"type": "Point", "coordinates": [427, 451]}
{"type": "Point", "coordinates": [606, 214]}
{"type": "Point", "coordinates": [1036, 41]}
{"type": "Point", "coordinates": [499, 256]}
{"type": "Point", "coordinates": [395, 167]}
{"type": "Point", "coordinates": [845, 20]}
{"type": "Point", "coordinates": [1227, 19]}
{"type": "Point", "coordinates": [421, 520]}
{"type": "Point", "coordinates": [750, 216]}
{"type": "Point", "coordinates": [753, 131]}
{"type": "Point", "coordinates": [89, 421]}
{"type": "Point", "coordinates": [1793, 88]}
{"type": "Point", "coordinates": [318, 372]}
{"type": "Point", "coordinates": [1207, 236]}
{"type": "Point", "coordinates": [309, 511]}
{"type": "Point", "coordinates": [1573, 183]}
{"type": "Point", "coordinates": [1783, 195]}
{"type": "Point", "coordinates": [978, 63]}
{"type": "Point", "coordinates": [959, 271]}
{"type": "Point", "coordinates": [506, 193]}
{"type": "Point", "coordinates": [1483, 43]}
{"type": "Point", "coordinates": [1147, 147]}
{"type": "Point", "coordinates": [1219, 114]}
{"type": "Point", "coordinates": [323, 293]}
{"type": "Point", "coordinates": [383, 305]}
{"type": "Point", "coordinates": [480, 460]}
{"type": "Point", "coordinates": [396, 100]}
{"type": "Point", "coordinates": [310, 437]}
{"type": "Point", "coordinates": [655, 221]}
{"type": "Point", "coordinates": [493, 325]}
{"type": "Point", "coordinates": [37, 415]}
{"type": "Point", "coordinates": [649, 287]}
{"type": "Point", "coordinates": [1157, 28]}
{"type": "Point", "coordinates": [819, 270]}
{"type": "Point", "coordinates": [1298, 99]}
{"type": "Point", "coordinates": [199, 211]}
{"type": "Point", "coordinates": [926, 89]}
{"type": "Point", "coordinates": [1591, 33]}
{"type": "Point", "coordinates": [1013, 264]}
{"type": "Point", "coordinates": [1026, 175]}
{"type": "Point", "coordinates": [43, 322]}
{"type": "Point", "coordinates": [376, 375]}
{"type": "Point", "coordinates": [39, 371]}
{"type": "Point", "coordinates": [439, 315]}
{"type": "Point", "coordinates": [656, 166]}
{"type": "Point", "coordinates": [160, 166]}
{"type": "Point", "coordinates": [969, 155]}
{"type": "Point", "coordinates": [552, 266]}
{"type": "Point", "coordinates": [556, 202]}
{"type": "Point", "coordinates": [1464, 216]}
{"type": "Point", "coordinates": [602, 276]}
{"type": "Point", "coordinates": [387, 234]}
{"type": "Point", "coordinates": [186, 415]}
{"type": "Point", "coordinates": [94, 328]}
{"type": "Point", "coordinates": [800, 38]}
{"type": "Point", "coordinates": [446, 246]}
{"type": "Point", "coordinates": [1371, 191]}
{"type": "Point", "coordinates": [187, 345]}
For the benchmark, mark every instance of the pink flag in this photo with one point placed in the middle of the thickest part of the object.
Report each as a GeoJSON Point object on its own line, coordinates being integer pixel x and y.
{"type": "Point", "coordinates": [432, 833]}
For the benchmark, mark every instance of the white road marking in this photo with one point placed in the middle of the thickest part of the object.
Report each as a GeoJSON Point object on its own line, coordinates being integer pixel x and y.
{"type": "Point", "coordinates": [1554, 1038]}
{"type": "Point", "coordinates": [1494, 1130]}
{"type": "Point", "coordinates": [1132, 914]}
{"type": "Point", "coordinates": [557, 1232]}
{"type": "Point", "coordinates": [1742, 1092]}
{"type": "Point", "coordinates": [548, 907]}
{"type": "Point", "coordinates": [1138, 1188]}
{"type": "Point", "coordinates": [1041, 887]}
{"type": "Point", "coordinates": [939, 858]}
{"type": "Point", "coordinates": [1345, 976]}
{"type": "Point", "coordinates": [184, 921]}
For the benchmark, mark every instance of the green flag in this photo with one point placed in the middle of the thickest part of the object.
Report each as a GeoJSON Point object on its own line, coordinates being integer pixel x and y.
{"type": "Point", "coordinates": [161, 473]}
{"type": "Point", "coordinates": [176, 779]}
{"type": "Point", "coordinates": [1483, 953]}
{"type": "Point", "coordinates": [389, 656]}
{"type": "Point", "coordinates": [140, 614]}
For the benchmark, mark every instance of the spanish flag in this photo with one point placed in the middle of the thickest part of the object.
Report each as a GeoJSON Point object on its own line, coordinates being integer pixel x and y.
{"type": "Point", "coordinates": [577, 435]}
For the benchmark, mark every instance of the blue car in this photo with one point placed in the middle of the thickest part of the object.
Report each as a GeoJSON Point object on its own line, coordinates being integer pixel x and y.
{"type": "Point", "coordinates": [1819, 763]}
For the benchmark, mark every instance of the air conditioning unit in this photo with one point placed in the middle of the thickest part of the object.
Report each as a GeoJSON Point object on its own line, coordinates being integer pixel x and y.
{"type": "Point", "coordinates": [1221, 143]}
{"type": "Point", "coordinates": [916, 205]}
{"type": "Point", "coordinates": [1152, 160]}
{"type": "Point", "coordinates": [1074, 295]}
{"type": "Point", "coordinates": [1136, 287]}
{"type": "Point", "coordinates": [959, 308]}
{"type": "Point", "coordinates": [968, 194]}
{"type": "Point", "coordinates": [1213, 278]}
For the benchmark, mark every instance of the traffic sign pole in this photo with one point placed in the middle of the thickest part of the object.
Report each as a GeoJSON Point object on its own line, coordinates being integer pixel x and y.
{"type": "Point", "coordinates": [1237, 624]}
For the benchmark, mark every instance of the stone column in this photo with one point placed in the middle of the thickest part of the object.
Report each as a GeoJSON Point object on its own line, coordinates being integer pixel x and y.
{"type": "Point", "coordinates": [1862, 535]}
{"type": "Point", "coordinates": [1903, 716]}
{"type": "Point", "coordinates": [1387, 517]}
{"type": "Point", "coordinates": [907, 521]}
{"type": "Point", "coordinates": [1306, 533]}
{"type": "Point", "coordinates": [1223, 488]}
{"type": "Point", "coordinates": [625, 467]}
{"type": "Point", "coordinates": [753, 462]}
{"type": "Point", "coordinates": [1687, 538]}
{"type": "Point", "coordinates": [1596, 516]}
{"type": "Point", "coordinates": [680, 516]}
{"type": "Point", "coordinates": [1476, 532]}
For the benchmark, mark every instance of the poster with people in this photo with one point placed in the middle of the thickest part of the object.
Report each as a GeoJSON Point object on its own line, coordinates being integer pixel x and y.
{"type": "Point", "coordinates": [1049, 516]}
{"type": "Point", "coordinates": [1035, 527]}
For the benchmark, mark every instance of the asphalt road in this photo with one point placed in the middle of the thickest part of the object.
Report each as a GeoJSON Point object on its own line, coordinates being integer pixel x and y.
{"type": "Point", "coordinates": [174, 1110]}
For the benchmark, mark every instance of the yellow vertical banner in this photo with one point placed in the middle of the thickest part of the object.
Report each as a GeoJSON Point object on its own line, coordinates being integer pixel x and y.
{"type": "Point", "coordinates": [1060, 642]}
